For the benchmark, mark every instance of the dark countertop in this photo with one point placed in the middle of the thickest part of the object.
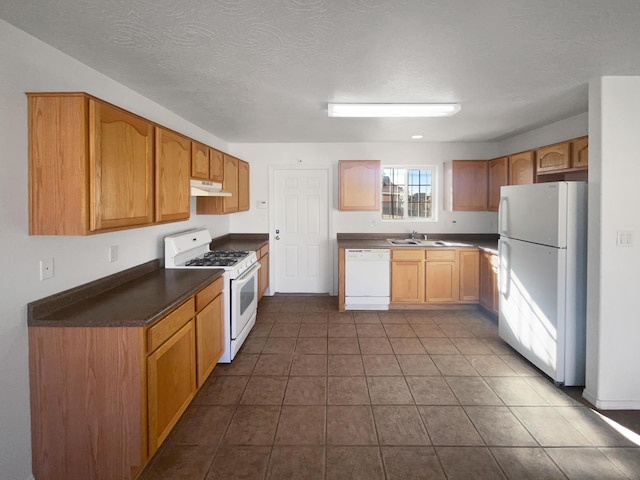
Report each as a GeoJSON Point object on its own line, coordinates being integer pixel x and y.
{"type": "Point", "coordinates": [240, 241]}
{"type": "Point", "coordinates": [136, 297]}
{"type": "Point", "coordinates": [487, 242]}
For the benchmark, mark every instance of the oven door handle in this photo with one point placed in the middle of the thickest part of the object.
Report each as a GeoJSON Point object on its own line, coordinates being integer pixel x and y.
{"type": "Point", "coordinates": [246, 276]}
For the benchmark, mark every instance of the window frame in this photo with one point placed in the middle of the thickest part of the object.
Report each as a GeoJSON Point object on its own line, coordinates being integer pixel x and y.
{"type": "Point", "coordinates": [435, 173]}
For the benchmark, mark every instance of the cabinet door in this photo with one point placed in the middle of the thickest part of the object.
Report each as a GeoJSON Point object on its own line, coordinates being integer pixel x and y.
{"type": "Point", "coordinates": [230, 184]}
{"type": "Point", "coordinates": [498, 176]}
{"type": "Point", "coordinates": [441, 281]}
{"type": "Point", "coordinates": [489, 282]}
{"type": "Point", "coordinates": [171, 383]}
{"type": "Point", "coordinates": [216, 165]}
{"type": "Point", "coordinates": [243, 186]}
{"type": "Point", "coordinates": [580, 153]}
{"type": "Point", "coordinates": [553, 158]}
{"type": "Point", "coordinates": [209, 338]}
{"type": "Point", "coordinates": [199, 161]}
{"type": "Point", "coordinates": [521, 168]}
{"type": "Point", "coordinates": [469, 185]}
{"type": "Point", "coordinates": [468, 269]}
{"type": "Point", "coordinates": [407, 281]}
{"type": "Point", "coordinates": [173, 168]}
{"type": "Point", "coordinates": [263, 275]}
{"type": "Point", "coordinates": [120, 168]}
{"type": "Point", "coordinates": [359, 185]}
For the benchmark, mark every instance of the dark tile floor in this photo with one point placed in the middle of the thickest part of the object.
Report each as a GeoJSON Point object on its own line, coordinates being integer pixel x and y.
{"type": "Point", "coordinates": [317, 394]}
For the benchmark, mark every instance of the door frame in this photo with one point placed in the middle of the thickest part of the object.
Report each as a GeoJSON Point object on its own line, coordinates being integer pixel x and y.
{"type": "Point", "coordinates": [273, 259]}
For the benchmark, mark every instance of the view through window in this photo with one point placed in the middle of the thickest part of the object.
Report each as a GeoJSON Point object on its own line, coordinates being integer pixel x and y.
{"type": "Point", "coordinates": [407, 193]}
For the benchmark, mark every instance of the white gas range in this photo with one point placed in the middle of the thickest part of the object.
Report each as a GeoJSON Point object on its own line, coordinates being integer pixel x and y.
{"type": "Point", "coordinates": [191, 250]}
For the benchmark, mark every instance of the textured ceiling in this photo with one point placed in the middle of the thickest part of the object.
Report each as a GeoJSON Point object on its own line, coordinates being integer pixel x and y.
{"type": "Point", "coordinates": [264, 70]}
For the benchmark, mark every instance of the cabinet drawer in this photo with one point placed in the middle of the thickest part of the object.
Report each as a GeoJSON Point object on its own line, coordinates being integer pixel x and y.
{"type": "Point", "coordinates": [407, 254]}
{"type": "Point", "coordinates": [164, 328]}
{"type": "Point", "coordinates": [438, 255]}
{"type": "Point", "coordinates": [208, 293]}
{"type": "Point", "coordinates": [263, 251]}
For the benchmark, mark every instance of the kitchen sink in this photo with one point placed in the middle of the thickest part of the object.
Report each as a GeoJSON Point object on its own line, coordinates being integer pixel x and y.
{"type": "Point", "coordinates": [414, 242]}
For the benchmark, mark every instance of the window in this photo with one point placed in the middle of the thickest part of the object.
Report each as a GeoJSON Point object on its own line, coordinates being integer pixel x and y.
{"type": "Point", "coordinates": [407, 193]}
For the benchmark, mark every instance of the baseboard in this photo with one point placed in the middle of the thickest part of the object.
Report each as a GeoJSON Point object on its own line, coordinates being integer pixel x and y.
{"type": "Point", "coordinates": [611, 404]}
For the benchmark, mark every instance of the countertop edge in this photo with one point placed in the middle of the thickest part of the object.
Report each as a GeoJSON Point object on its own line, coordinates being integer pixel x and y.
{"type": "Point", "coordinates": [76, 308]}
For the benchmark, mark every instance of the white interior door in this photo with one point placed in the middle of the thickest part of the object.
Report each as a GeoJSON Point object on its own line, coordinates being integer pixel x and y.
{"type": "Point", "coordinates": [301, 231]}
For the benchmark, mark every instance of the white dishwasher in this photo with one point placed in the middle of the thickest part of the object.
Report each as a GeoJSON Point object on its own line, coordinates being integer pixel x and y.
{"type": "Point", "coordinates": [366, 279]}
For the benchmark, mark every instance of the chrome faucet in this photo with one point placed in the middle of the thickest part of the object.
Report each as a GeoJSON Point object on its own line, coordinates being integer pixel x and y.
{"type": "Point", "coordinates": [414, 235]}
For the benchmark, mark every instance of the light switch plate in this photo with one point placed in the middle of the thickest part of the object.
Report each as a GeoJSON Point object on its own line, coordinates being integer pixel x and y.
{"type": "Point", "coordinates": [113, 253]}
{"type": "Point", "coordinates": [624, 239]}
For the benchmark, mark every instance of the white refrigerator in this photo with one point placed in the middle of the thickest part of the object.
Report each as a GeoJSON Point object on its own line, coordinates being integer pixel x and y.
{"type": "Point", "coordinates": [542, 276]}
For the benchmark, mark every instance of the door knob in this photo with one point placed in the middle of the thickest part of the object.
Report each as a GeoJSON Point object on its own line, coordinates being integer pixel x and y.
{"type": "Point", "coordinates": [277, 237]}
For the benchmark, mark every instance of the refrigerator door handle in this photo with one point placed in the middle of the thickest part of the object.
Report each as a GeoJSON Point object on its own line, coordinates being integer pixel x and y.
{"type": "Point", "coordinates": [504, 280]}
{"type": "Point", "coordinates": [503, 215]}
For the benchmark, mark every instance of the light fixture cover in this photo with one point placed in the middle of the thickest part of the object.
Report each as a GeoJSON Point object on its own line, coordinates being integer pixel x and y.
{"type": "Point", "coordinates": [393, 109]}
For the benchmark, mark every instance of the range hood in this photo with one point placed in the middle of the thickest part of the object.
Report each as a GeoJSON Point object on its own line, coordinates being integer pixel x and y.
{"type": "Point", "coordinates": [205, 188]}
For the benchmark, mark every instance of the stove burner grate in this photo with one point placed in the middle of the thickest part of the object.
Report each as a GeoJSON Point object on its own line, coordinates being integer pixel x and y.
{"type": "Point", "coordinates": [210, 262]}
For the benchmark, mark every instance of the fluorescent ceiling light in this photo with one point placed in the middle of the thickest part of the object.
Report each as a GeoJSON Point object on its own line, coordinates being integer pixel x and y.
{"type": "Point", "coordinates": [393, 109]}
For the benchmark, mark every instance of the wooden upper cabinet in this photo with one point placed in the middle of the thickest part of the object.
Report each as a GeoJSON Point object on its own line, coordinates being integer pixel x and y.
{"type": "Point", "coordinates": [199, 161]}
{"type": "Point", "coordinates": [521, 168]}
{"type": "Point", "coordinates": [90, 166]}
{"type": "Point", "coordinates": [498, 176]}
{"type": "Point", "coordinates": [216, 165]}
{"type": "Point", "coordinates": [236, 182]}
{"type": "Point", "coordinates": [243, 186]}
{"type": "Point", "coordinates": [469, 185]}
{"type": "Point", "coordinates": [173, 167]}
{"type": "Point", "coordinates": [58, 166]}
{"type": "Point", "coordinates": [230, 184]}
{"type": "Point", "coordinates": [580, 153]}
{"type": "Point", "coordinates": [553, 157]}
{"type": "Point", "coordinates": [121, 168]}
{"type": "Point", "coordinates": [359, 185]}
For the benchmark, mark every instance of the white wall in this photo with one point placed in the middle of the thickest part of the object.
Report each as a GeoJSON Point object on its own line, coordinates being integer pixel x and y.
{"type": "Point", "coordinates": [614, 272]}
{"type": "Point", "coordinates": [30, 65]}
{"type": "Point", "coordinates": [572, 127]}
{"type": "Point", "coordinates": [262, 156]}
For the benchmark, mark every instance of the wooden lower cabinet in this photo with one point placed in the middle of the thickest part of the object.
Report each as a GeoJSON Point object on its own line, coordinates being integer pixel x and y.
{"type": "Point", "coordinates": [209, 329]}
{"type": "Point", "coordinates": [469, 275]}
{"type": "Point", "coordinates": [171, 383]}
{"type": "Point", "coordinates": [263, 273]}
{"type": "Point", "coordinates": [407, 276]}
{"type": "Point", "coordinates": [434, 276]}
{"type": "Point", "coordinates": [441, 282]}
{"type": "Point", "coordinates": [103, 399]}
{"type": "Point", "coordinates": [489, 264]}
{"type": "Point", "coordinates": [441, 276]}
{"type": "Point", "coordinates": [88, 402]}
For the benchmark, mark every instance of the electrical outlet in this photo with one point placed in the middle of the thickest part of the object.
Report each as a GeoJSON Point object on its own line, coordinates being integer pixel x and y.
{"type": "Point", "coordinates": [46, 269]}
{"type": "Point", "coordinates": [113, 253]}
